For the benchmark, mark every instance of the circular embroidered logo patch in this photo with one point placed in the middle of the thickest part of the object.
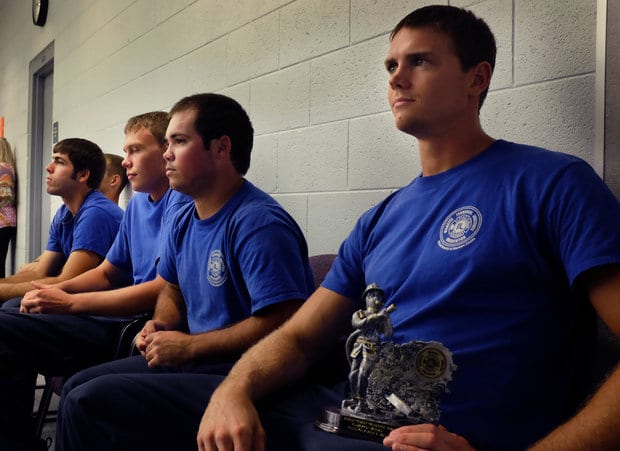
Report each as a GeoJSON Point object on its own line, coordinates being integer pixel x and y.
{"type": "Point", "coordinates": [431, 362]}
{"type": "Point", "coordinates": [460, 228]}
{"type": "Point", "coordinates": [217, 269]}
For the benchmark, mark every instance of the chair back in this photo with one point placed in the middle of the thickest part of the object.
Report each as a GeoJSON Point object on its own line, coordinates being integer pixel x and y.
{"type": "Point", "coordinates": [321, 265]}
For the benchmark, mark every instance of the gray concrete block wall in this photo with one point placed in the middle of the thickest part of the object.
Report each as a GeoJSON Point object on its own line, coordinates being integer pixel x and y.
{"type": "Point", "coordinates": [309, 72]}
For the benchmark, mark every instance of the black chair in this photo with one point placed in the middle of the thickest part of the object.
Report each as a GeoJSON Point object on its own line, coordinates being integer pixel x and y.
{"type": "Point", "coordinates": [53, 383]}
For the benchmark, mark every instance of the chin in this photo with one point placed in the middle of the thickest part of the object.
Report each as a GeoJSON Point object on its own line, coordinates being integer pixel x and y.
{"type": "Point", "coordinates": [405, 127]}
{"type": "Point", "coordinates": [176, 187]}
{"type": "Point", "coordinates": [410, 127]}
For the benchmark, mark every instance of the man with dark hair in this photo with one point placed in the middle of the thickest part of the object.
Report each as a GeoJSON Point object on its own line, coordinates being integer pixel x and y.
{"type": "Point", "coordinates": [235, 267]}
{"type": "Point", "coordinates": [496, 250]}
{"type": "Point", "coordinates": [112, 184]}
{"type": "Point", "coordinates": [60, 336]}
{"type": "Point", "coordinates": [115, 178]}
{"type": "Point", "coordinates": [215, 118]}
{"type": "Point", "coordinates": [83, 228]}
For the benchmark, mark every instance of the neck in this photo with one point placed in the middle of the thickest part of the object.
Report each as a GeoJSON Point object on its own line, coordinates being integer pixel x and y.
{"type": "Point", "coordinates": [439, 154]}
{"type": "Point", "coordinates": [159, 192]}
{"type": "Point", "coordinates": [74, 201]}
{"type": "Point", "coordinates": [209, 204]}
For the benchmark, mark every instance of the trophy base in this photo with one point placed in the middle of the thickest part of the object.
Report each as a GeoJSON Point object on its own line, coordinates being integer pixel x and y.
{"type": "Point", "coordinates": [349, 424]}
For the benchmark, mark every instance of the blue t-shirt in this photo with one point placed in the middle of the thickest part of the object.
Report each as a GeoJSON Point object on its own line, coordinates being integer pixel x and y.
{"type": "Point", "coordinates": [483, 258]}
{"type": "Point", "coordinates": [136, 247]}
{"type": "Point", "coordinates": [93, 228]}
{"type": "Point", "coordinates": [249, 255]}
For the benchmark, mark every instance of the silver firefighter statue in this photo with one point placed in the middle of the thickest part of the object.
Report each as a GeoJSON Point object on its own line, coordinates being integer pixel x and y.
{"type": "Point", "coordinates": [372, 326]}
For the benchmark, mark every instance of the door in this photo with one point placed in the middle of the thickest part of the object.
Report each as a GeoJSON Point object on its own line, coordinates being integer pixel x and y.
{"type": "Point", "coordinates": [41, 141]}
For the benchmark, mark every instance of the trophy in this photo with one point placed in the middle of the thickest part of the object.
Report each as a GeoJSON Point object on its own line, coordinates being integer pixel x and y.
{"type": "Point", "coordinates": [391, 385]}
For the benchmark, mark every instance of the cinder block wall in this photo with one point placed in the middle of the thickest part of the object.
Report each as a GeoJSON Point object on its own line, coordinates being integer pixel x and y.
{"type": "Point", "coordinates": [309, 72]}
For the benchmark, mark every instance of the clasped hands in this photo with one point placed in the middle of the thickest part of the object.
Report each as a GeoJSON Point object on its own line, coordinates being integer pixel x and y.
{"type": "Point", "coordinates": [161, 347]}
{"type": "Point", "coordinates": [46, 299]}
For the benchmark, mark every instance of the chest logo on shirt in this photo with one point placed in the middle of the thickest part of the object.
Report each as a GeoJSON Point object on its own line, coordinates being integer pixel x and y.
{"type": "Point", "coordinates": [217, 269]}
{"type": "Point", "coordinates": [460, 228]}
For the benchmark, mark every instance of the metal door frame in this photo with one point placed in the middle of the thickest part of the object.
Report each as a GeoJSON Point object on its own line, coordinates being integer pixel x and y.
{"type": "Point", "coordinates": [40, 67]}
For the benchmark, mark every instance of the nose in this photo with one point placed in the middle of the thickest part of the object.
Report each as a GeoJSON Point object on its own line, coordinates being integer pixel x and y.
{"type": "Point", "coordinates": [48, 168]}
{"type": "Point", "coordinates": [168, 154]}
{"type": "Point", "coordinates": [125, 163]}
{"type": "Point", "coordinates": [398, 77]}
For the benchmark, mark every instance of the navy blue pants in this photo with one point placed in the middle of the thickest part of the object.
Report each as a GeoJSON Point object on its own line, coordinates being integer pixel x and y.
{"type": "Point", "coordinates": [47, 344]}
{"type": "Point", "coordinates": [124, 405]}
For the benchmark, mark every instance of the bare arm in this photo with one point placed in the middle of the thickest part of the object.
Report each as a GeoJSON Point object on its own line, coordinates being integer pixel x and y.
{"type": "Point", "coordinates": [47, 264]}
{"type": "Point", "coordinates": [279, 359]}
{"type": "Point", "coordinates": [596, 425]}
{"type": "Point", "coordinates": [170, 308]}
{"type": "Point", "coordinates": [26, 267]}
{"type": "Point", "coordinates": [77, 263]}
{"type": "Point", "coordinates": [103, 277]}
{"type": "Point", "coordinates": [129, 300]}
{"type": "Point", "coordinates": [174, 348]}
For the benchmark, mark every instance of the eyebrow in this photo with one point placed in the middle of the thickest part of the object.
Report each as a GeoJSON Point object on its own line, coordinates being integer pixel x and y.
{"type": "Point", "coordinates": [409, 57]}
{"type": "Point", "coordinates": [132, 146]}
{"type": "Point", "coordinates": [59, 157]}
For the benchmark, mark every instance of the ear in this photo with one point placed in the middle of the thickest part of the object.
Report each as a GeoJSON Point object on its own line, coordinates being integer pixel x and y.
{"type": "Point", "coordinates": [83, 175]}
{"type": "Point", "coordinates": [116, 180]}
{"type": "Point", "coordinates": [481, 78]}
{"type": "Point", "coordinates": [222, 146]}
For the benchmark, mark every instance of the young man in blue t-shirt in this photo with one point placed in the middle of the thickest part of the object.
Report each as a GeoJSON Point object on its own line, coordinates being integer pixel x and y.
{"type": "Point", "coordinates": [495, 250]}
{"type": "Point", "coordinates": [66, 338]}
{"type": "Point", "coordinates": [112, 184]}
{"type": "Point", "coordinates": [235, 267]}
{"type": "Point", "coordinates": [83, 228]}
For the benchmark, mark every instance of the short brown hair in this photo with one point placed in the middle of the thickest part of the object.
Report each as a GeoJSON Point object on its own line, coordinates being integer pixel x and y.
{"type": "Point", "coordinates": [155, 122]}
{"type": "Point", "coordinates": [218, 115]}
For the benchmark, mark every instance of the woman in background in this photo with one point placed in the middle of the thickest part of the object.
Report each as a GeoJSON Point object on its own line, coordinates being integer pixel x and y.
{"type": "Point", "coordinates": [8, 216]}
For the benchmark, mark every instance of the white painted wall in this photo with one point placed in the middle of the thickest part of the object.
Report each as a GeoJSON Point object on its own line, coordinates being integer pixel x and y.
{"type": "Point", "coordinates": [309, 72]}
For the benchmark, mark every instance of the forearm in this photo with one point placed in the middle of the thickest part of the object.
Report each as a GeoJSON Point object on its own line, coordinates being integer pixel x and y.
{"type": "Point", "coordinates": [95, 279]}
{"type": "Point", "coordinates": [130, 300]}
{"type": "Point", "coordinates": [17, 289]}
{"type": "Point", "coordinates": [26, 275]}
{"type": "Point", "coordinates": [231, 342]}
{"type": "Point", "coordinates": [13, 290]}
{"type": "Point", "coordinates": [267, 367]}
{"type": "Point", "coordinates": [170, 307]}
{"type": "Point", "coordinates": [594, 427]}
{"type": "Point", "coordinates": [285, 355]}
